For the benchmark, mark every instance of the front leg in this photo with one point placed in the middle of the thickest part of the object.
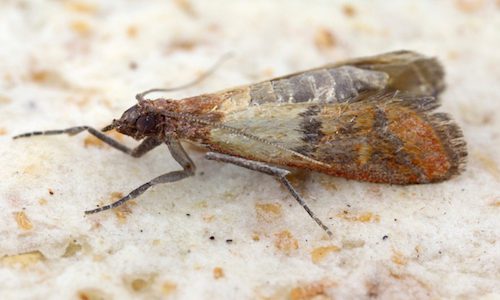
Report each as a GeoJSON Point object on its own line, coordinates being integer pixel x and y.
{"type": "Point", "coordinates": [278, 173]}
{"type": "Point", "coordinates": [146, 145]}
{"type": "Point", "coordinates": [178, 153]}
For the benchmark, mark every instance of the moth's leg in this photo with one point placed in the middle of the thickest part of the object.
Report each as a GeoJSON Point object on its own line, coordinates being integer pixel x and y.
{"type": "Point", "coordinates": [180, 155]}
{"type": "Point", "coordinates": [279, 173]}
{"type": "Point", "coordinates": [145, 146]}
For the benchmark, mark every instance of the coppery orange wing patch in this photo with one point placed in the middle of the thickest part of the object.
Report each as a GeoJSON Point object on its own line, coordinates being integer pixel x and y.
{"type": "Point", "coordinates": [388, 139]}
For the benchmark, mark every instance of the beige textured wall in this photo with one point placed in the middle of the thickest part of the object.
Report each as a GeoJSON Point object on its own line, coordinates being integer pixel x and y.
{"type": "Point", "coordinates": [66, 63]}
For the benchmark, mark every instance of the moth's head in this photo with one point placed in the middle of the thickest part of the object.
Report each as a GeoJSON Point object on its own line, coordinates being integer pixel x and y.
{"type": "Point", "coordinates": [139, 121]}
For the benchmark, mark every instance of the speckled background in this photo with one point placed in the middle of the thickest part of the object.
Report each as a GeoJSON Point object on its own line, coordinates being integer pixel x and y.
{"type": "Point", "coordinates": [230, 233]}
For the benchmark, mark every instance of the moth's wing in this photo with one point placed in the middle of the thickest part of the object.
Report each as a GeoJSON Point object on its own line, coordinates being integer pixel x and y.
{"type": "Point", "coordinates": [390, 140]}
{"type": "Point", "coordinates": [381, 139]}
{"type": "Point", "coordinates": [402, 71]}
{"type": "Point", "coordinates": [408, 71]}
{"type": "Point", "coordinates": [271, 133]}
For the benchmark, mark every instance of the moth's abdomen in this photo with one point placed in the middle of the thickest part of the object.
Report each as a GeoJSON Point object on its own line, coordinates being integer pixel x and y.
{"type": "Point", "coordinates": [328, 85]}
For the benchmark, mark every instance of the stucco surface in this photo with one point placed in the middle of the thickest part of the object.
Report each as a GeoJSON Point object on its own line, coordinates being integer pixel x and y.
{"type": "Point", "coordinates": [230, 233]}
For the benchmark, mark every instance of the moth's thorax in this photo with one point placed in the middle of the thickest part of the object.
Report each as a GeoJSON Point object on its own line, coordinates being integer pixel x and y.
{"type": "Point", "coordinates": [194, 117]}
{"type": "Point", "coordinates": [188, 119]}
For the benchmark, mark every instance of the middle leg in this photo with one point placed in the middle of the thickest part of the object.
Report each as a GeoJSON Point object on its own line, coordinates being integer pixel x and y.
{"type": "Point", "coordinates": [278, 173]}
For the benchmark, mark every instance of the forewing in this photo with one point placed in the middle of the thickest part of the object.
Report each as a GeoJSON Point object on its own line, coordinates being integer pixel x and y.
{"type": "Point", "coordinates": [391, 140]}
{"type": "Point", "coordinates": [380, 139]}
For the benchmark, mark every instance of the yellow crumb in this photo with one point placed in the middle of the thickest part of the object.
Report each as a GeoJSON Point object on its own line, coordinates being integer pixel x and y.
{"type": "Point", "coordinates": [320, 253]}
{"type": "Point", "coordinates": [23, 222]}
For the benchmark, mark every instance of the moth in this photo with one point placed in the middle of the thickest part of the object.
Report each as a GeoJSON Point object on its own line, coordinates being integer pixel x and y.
{"type": "Point", "coordinates": [368, 119]}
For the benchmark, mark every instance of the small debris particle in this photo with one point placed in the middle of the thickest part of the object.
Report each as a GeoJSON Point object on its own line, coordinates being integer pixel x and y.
{"type": "Point", "coordinates": [212, 237]}
{"type": "Point", "coordinates": [81, 27]}
{"type": "Point", "coordinates": [385, 237]}
{"type": "Point", "coordinates": [92, 294]}
{"type": "Point", "coordinates": [366, 217]}
{"type": "Point", "coordinates": [314, 290]}
{"type": "Point", "coordinates": [273, 208]}
{"type": "Point", "coordinates": [51, 192]}
{"type": "Point", "coordinates": [218, 272]}
{"type": "Point", "coordinates": [186, 7]}
{"type": "Point", "coordinates": [92, 141]}
{"type": "Point", "coordinates": [469, 6]}
{"type": "Point", "coordinates": [50, 78]}
{"type": "Point", "coordinates": [268, 212]}
{"type": "Point", "coordinates": [188, 215]}
{"type": "Point", "coordinates": [285, 242]}
{"type": "Point", "coordinates": [23, 222]}
{"type": "Point", "coordinates": [132, 31]}
{"type": "Point", "coordinates": [116, 196]}
{"type": "Point", "coordinates": [168, 288]}
{"type": "Point", "coordinates": [42, 201]}
{"type": "Point", "coordinates": [229, 241]}
{"type": "Point", "coordinates": [72, 249]}
{"type": "Point", "coordinates": [5, 99]}
{"type": "Point", "coordinates": [81, 7]}
{"type": "Point", "coordinates": [138, 284]}
{"type": "Point", "coordinates": [121, 213]}
{"type": "Point", "coordinates": [496, 203]}
{"type": "Point", "coordinates": [324, 39]}
{"type": "Point", "coordinates": [133, 65]}
{"type": "Point", "coordinates": [208, 218]}
{"type": "Point", "coordinates": [399, 259]}
{"type": "Point", "coordinates": [349, 10]}
{"type": "Point", "coordinates": [419, 250]}
{"type": "Point", "coordinates": [182, 45]}
{"type": "Point", "coordinates": [23, 260]}
{"type": "Point", "coordinates": [369, 217]}
{"type": "Point", "coordinates": [318, 254]}
{"type": "Point", "coordinates": [256, 237]}
{"type": "Point", "coordinates": [351, 244]}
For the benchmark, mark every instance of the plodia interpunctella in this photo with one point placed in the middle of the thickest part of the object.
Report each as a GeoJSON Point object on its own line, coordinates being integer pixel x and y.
{"type": "Point", "coordinates": [368, 119]}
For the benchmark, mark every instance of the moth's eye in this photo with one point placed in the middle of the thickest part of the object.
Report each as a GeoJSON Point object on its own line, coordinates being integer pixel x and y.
{"type": "Point", "coordinates": [146, 123]}
{"type": "Point", "coordinates": [131, 115]}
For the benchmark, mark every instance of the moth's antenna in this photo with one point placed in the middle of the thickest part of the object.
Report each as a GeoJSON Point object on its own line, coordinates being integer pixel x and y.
{"type": "Point", "coordinates": [206, 74]}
